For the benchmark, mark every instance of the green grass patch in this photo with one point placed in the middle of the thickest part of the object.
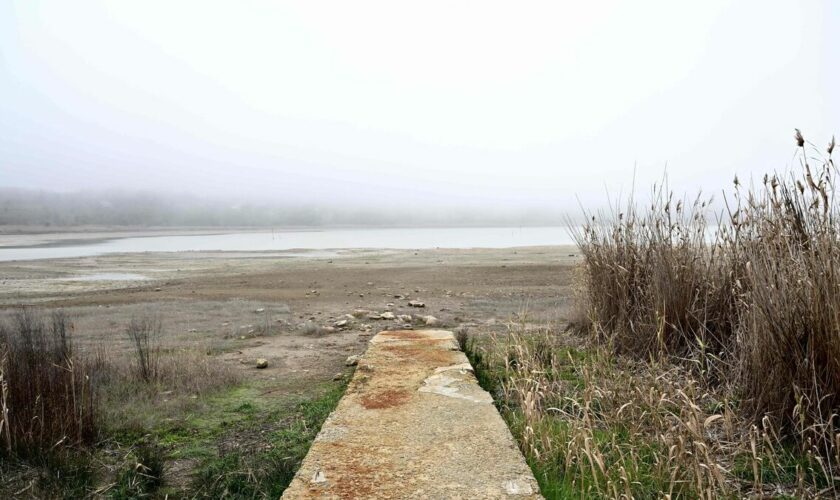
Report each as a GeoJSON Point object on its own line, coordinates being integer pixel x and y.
{"type": "Point", "coordinates": [267, 470]}
{"type": "Point", "coordinates": [559, 475]}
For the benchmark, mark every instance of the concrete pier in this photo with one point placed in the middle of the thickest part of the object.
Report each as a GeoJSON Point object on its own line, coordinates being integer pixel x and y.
{"type": "Point", "coordinates": [414, 423]}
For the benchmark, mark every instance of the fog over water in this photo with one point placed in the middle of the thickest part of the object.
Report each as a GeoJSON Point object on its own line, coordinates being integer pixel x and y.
{"type": "Point", "coordinates": [432, 112]}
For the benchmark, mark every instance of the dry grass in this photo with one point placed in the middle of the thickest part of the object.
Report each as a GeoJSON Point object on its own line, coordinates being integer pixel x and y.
{"type": "Point", "coordinates": [144, 332]}
{"type": "Point", "coordinates": [592, 424]}
{"type": "Point", "coordinates": [61, 408]}
{"type": "Point", "coordinates": [46, 395]}
{"type": "Point", "coordinates": [752, 300]}
{"type": "Point", "coordinates": [714, 364]}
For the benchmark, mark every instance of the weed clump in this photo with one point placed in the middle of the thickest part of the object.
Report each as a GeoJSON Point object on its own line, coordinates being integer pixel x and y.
{"type": "Point", "coordinates": [46, 395]}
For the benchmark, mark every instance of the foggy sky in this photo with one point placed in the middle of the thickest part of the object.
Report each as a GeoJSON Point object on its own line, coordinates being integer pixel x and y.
{"type": "Point", "coordinates": [398, 104]}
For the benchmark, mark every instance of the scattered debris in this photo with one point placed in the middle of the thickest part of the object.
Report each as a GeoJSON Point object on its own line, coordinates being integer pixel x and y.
{"type": "Point", "coordinates": [430, 321]}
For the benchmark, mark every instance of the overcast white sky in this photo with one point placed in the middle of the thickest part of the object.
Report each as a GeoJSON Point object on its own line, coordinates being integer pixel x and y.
{"type": "Point", "coordinates": [514, 104]}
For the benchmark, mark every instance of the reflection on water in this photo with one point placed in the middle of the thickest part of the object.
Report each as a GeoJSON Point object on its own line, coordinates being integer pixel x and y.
{"type": "Point", "coordinates": [403, 238]}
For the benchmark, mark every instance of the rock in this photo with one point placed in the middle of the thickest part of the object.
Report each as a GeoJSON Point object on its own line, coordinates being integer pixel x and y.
{"type": "Point", "coordinates": [338, 376]}
{"type": "Point", "coordinates": [192, 330]}
{"type": "Point", "coordinates": [389, 305]}
{"type": "Point", "coordinates": [328, 329]}
{"type": "Point", "coordinates": [387, 315]}
{"type": "Point", "coordinates": [349, 316]}
{"type": "Point", "coordinates": [370, 283]}
{"type": "Point", "coordinates": [340, 323]}
{"type": "Point", "coordinates": [405, 318]}
{"type": "Point", "coordinates": [358, 313]}
{"type": "Point", "coordinates": [259, 310]}
{"type": "Point", "coordinates": [262, 363]}
{"type": "Point", "coordinates": [374, 316]}
{"type": "Point", "coordinates": [430, 321]}
{"type": "Point", "coordinates": [352, 360]}
{"type": "Point", "coordinates": [366, 327]}
{"type": "Point", "coordinates": [158, 289]}
{"type": "Point", "coordinates": [416, 303]}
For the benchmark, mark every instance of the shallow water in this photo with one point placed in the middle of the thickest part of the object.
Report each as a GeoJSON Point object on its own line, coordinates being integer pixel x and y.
{"type": "Point", "coordinates": [396, 238]}
{"type": "Point", "coordinates": [106, 277]}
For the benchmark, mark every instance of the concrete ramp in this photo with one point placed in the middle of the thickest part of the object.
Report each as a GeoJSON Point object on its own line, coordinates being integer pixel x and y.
{"type": "Point", "coordinates": [414, 423]}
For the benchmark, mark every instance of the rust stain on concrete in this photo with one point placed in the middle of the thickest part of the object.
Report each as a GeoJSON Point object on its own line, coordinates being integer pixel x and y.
{"type": "Point", "coordinates": [385, 399]}
{"type": "Point", "coordinates": [414, 424]}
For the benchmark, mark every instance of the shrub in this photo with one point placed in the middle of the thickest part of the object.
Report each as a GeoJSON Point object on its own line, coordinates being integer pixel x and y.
{"type": "Point", "coordinates": [144, 332]}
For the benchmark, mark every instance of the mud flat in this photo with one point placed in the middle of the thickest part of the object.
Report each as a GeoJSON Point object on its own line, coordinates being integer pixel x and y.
{"type": "Point", "coordinates": [414, 423]}
{"type": "Point", "coordinates": [208, 300]}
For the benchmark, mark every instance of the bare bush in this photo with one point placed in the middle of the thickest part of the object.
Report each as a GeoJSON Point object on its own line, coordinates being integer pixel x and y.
{"type": "Point", "coordinates": [144, 332]}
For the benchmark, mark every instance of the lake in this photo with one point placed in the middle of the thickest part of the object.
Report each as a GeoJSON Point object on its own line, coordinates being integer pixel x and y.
{"type": "Point", "coordinates": [327, 239]}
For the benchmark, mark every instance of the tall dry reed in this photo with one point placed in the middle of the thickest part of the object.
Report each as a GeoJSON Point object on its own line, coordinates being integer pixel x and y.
{"type": "Point", "coordinates": [46, 393]}
{"type": "Point", "coordinates": [751, 299]}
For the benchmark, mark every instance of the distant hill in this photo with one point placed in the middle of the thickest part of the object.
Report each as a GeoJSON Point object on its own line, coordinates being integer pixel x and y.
{"type": "Point", "coordinates": [21, 207]}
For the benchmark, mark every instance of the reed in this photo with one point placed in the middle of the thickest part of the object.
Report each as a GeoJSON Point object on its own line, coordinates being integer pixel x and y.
{"type": "Point", "coordinates": [46, 396]}
{"type": "Point", "coordinates": [711, 366]}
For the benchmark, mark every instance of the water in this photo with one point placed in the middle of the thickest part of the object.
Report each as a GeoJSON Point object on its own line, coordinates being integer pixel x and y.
{"type": "Point", "coordinates": [107, 277]}
{"type": "Point", "coordinates": [394, 238]}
